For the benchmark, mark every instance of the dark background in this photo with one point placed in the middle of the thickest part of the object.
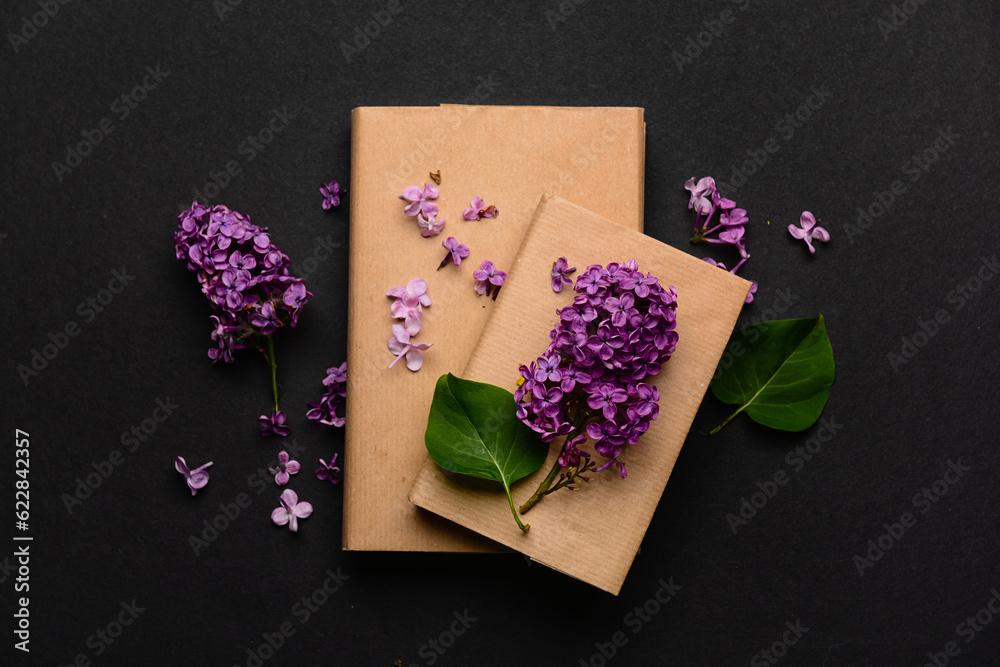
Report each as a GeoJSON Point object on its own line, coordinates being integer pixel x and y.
{"type": "Point", "coordinates": [930, 67]}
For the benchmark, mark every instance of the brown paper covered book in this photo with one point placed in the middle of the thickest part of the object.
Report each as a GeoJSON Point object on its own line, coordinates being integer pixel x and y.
{"type": "Point", "coordinates": [593, 533]}
{"type": "Point", "coordinates": [509, 156]}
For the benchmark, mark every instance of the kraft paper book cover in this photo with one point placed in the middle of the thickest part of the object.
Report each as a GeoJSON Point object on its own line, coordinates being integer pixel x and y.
{"type": "Point", "coordinates": [593, 533]}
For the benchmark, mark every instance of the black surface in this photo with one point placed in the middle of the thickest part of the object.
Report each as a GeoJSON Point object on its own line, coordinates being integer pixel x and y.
{"type": "Point", "coordinates": [890, 93]}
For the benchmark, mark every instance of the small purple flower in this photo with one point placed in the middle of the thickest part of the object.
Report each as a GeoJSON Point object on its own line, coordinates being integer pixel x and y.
{"type": "Point", "coordinates": [560, 274]}
{"type": "Point", "coordinates": [265, 320]}
{"type": "Point", "coordinates": [291, 510]}
{"type": "Point", "coordinates": [285, 468]}
{"type": "Point", "coordinates": [721, 202]}
{"type": "Point", "coordinates": [621, 309]}
{"type": "Point", "coordinates": [701, 193]}
{"type": "Point", "coordinates": [415, 289]}
{"type": "Point", "coordinates": [331, 194]}
{"type": "Point", "coordinates": [546, 400]}
{"type": "Point", "coordinates": [456, 251]}
{"type": "Point", "coordinates": [753, 290]}
{"type": "Point", "coordinates": [328, 471]}
{"type": "Point", "coordinates": [478, 210]}
{"type": "Point", "coordinates": [548, 369]}
{"type": "Point", "coordinates": [647, 400]}
{"type": "Point", "coordinates": [486, 277]}
{"type": "Point", "coordinates": [400, 345]}
{"type": "Point", "coordinates": [809, 231]}
{"type": "Point", "coordinates": [430, 226]}
{"type": "Point", "coordinates": [737, 216]}
{"type": "Point", "coordinates": [419, 204]}
{"type": "Point", "coordinates": [607, 438]}
{"type": "Point", "coordinates": [410, 311]}
{"type": "Point", "coordinates": [709, 260]}
{"type": "Point", "coordinates": [196, 479]}
{"type": "Point", "coordinates": [295, 296]}
{"type": "Point", "coordinates": [571, 454]}
{"type": "Point", "coordinates": [605, 399]}
{"type": "Point", "coordinates": [274, 424]}
{"type": "Point", "coordinates": [604, 343]}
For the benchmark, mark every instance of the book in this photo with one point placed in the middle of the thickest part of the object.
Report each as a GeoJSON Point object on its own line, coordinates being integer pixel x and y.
{"type": "Point", "coordinates": [593, 533]}
{"type": "Point", "coordinates": [509, 156]}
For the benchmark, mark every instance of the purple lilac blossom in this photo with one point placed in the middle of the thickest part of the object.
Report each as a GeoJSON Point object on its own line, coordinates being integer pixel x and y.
{"type": "Point", "coordinates": [331, 194]}
{"type": "Point", "coordinates": [809, 232]}
{"type": "Point", "coordinates": [286, 466]}
{"type": "Point", "coordinates": [274, 424]}
{"type": "Point", "coordinates": [328, 471]}
{"type": "Point", "coordinates": [487, 276]}
{"type": "Point", "coordinates": [195, 479]}
{"type": "Point", "coordinates": [593, 380]}
{"type": "Point", "coordinates": [244, 276]}
{"type": "Point", "coordinates": [560, 274]}
{"type": "Point", "coordinates": [291, 510]}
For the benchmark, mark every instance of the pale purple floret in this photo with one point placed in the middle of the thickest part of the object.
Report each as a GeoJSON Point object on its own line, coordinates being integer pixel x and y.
{"type": "Point", "coordinates": [195, 479]}
{"type": "Point", "coordinates": [809, 232]}
{"type": "Point", "coordinates": [291, 510]}
{"type": "Point", "coordinates": [286, 466]}
{"type": "Point", "coordinates": [401, 345]}
{"type": "Point", "coordinates": [420, 203]}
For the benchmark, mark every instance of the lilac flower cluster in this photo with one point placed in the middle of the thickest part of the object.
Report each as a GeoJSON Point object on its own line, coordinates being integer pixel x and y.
{"type": "Point", "coordinates": [591, 381]}
{"type": "Point", "coordinates": [325, 412]}
{"type": "Point", "coordinates": [706, 200]}
{"type": "Point", "coordinates": [242, 273]}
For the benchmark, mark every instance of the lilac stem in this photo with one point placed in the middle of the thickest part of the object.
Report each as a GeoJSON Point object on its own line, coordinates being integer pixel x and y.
{"type": "Point", "coordinates": [737, 267]}
{"type": "Point", "coordinates": [274, 369]}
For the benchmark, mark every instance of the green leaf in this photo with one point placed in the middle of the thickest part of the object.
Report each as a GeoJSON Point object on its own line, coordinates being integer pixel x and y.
{"type": "Point", "coordinates": [473, 429]}
{"type": "Point", "coordinates": [782, 379]}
